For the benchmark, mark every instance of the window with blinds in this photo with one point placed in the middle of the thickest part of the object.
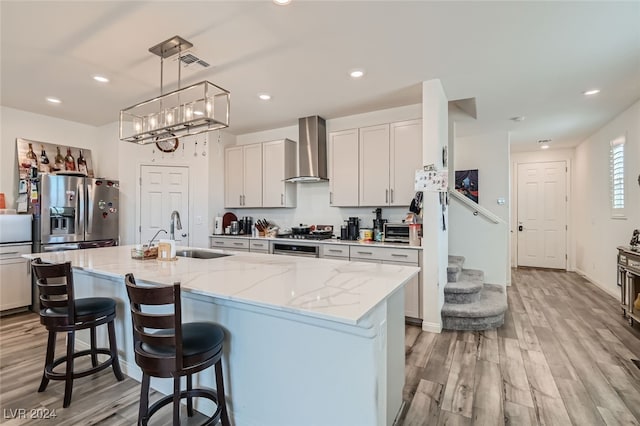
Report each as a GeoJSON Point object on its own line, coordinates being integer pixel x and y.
{"type": "Point", "coordinates": [616, 170]}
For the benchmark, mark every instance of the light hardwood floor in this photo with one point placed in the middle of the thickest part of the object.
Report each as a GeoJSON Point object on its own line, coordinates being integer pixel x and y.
{"type": "Point", "coordinates": [562, 357]}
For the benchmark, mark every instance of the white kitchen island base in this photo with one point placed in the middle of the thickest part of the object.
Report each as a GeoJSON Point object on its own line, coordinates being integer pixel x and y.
{"type": "Point", "coordinates": [282, 367]}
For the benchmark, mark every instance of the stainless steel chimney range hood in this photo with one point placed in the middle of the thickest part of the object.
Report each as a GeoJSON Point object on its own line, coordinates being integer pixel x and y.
{"type": "Point", "coordinates": [312, 150]}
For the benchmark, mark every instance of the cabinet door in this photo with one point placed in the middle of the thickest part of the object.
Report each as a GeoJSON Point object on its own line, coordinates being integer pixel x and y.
{"type": "Point", "coordinates": [15, 284]}
{"type": "Point", "coordinates": [405, 159]}
{"type": "Point", "coordinates": [411, 292]}
{"type": "Point", "coordinates": [374, 166]}
{"type": "Point", "coordinates": [233, 176]}
{"type": "Point", "coordinates": [252, 176]}
{"type": "Point", "coordinates": [343, 168]}
{"type": "Point", "coordinates": [278, 164]}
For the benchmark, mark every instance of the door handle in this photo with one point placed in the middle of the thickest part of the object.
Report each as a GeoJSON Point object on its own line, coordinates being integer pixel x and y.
{"type": "Point", "coordinates": [520, 228]}
{"type": "Point", "coordinates": [184, 235]}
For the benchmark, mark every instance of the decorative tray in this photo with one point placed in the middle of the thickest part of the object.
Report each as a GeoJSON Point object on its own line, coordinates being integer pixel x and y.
{"type": "Point", "coordinates": [144, 253]}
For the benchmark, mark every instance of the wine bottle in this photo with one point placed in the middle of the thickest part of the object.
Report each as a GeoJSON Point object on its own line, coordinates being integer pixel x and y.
{"type": "Point", "coordinates": [69, 161]}
{"type": "Point", "coordinates": [82, 164]}
{"type": "Point", "coordinates": [59, 160]}
{"type": "Point", "coordinates": [31, 158]}
{"type": "Point", "coordinates": [44, 161]}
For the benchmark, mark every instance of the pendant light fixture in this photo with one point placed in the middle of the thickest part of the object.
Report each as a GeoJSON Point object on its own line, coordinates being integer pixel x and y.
{"type": "Point", "coordinates": [190, 110]}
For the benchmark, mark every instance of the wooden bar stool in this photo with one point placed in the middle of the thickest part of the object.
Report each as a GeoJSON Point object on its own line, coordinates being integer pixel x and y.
{"type": "Point", "coordinates": [61, 312]}
{"type": "Point", "coordinates": [165, 347]}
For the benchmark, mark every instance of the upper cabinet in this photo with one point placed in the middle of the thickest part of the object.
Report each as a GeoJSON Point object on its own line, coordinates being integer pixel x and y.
{"type": "Point", "coordinates": [405, 156]}
{"type": "Point", "coordinates": [375, 166]}
{"type": "Point", "coordinates": [254, 175]}
{"type": "Point", "coordinates": [278, 164]}
{"type": "Point", "coordinates": [343, 168]}
{"type": "Point", "coordinates": [243, 176]}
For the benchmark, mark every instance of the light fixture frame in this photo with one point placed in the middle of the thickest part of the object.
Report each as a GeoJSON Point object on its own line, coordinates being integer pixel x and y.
{"type": "Point", "coordinates": [175, 114]}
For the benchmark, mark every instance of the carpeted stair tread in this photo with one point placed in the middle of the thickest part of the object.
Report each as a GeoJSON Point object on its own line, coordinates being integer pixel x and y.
{"type": "Point", "coordinates": [469, 281]}
{"type": "Point", "coordinates": [454, 268]}
{"type": "Point", "coordinates": [493, 302]}
{"type": "Point", "coordinates": [473, 324]}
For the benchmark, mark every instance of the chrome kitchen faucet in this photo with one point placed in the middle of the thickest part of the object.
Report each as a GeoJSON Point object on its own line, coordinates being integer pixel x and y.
{"type": "Point", "coordinates": [174, 216]}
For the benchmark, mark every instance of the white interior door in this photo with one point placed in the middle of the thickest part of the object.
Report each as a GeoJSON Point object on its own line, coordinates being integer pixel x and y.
{"type": "Point", "coordinates": [542, 215]}
{"type": "Point", "coordinates": [163, 189]}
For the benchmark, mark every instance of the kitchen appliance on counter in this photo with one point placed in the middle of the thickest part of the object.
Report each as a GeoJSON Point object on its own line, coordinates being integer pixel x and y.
{"type": "Point", "coordinates": [15, 271]}
{"type": "Point", "coordinates": [378, 225]}
{"type": "Point", "coordinates": [74, 212]}
{"type": "Point", "coordinates": [400, 232]}
{"type": "Point", "coordinates": [353, 229]}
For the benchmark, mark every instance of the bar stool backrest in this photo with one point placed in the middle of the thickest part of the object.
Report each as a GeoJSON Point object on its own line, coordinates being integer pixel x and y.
{"type": "Point", "coordinates": [55, 284]}
{"type": "Point", "coordinates": [159, 332]}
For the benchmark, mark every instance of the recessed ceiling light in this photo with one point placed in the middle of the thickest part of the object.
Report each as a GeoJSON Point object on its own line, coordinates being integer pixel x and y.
{"type": "Point", "coordinates": [282, 2]}
{"type": "Point", "coordinates": [264, 96]}
{"type": "Point", "coordinates": [591, 92]}
{"type": "Point", "coordinates": [518, 118]}
{"type": "Point", "coordinates": [100, 79]}
{"type": "Point", "coordinates": [356, 73]}
{"type": "Point", "coordinates": [545, 146]}
{"type": "Point", "coordinates": [54, 100]}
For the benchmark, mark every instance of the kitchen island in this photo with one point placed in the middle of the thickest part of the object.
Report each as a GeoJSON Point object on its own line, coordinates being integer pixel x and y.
{"type": "Point", "coordinates": [308, 341]}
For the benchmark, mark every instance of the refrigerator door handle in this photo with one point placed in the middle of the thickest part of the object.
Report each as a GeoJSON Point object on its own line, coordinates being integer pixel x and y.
{"type": "Point", "coordinates": [81, 213]}
{"type": "Point", "coordinates": [89, 205]}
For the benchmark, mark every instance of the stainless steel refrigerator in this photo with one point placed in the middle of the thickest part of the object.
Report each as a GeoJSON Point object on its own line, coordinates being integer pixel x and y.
{"type": "Point", "coordinates": [75, 212]}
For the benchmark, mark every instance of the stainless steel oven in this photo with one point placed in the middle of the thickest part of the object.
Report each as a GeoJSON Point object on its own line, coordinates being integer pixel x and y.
{"type": "Point", "coordinates": [296, 249]}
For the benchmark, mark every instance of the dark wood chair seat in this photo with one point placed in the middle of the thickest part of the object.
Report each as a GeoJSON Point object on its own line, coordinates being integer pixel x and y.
{"type": "Point", "coordinates": [60, 312]}
{"type": "Point", "coordinates": [165, 347]}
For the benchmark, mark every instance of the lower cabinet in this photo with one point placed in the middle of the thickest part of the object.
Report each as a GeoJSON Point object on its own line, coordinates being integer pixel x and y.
{"type": "Point", "coordinates": [629, 282]}
{"type": "Point", "coordinates": [334, 251]}
{"type": "Point", "coordinates": [229, 243]}
{"type": "Point", "coordinates": [393, 256]}
{"type": "Point", "coordinates": [259, 246]}
{"type": "Point", "coordinates": [15, 277]}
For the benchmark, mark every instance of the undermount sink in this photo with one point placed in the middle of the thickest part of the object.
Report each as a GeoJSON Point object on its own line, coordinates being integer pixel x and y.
{"type": "Point", "coordinates": [200, 254]}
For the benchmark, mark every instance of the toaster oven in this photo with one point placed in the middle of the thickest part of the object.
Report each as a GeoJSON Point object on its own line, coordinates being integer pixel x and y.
{"type": "Point", "coordinates": [396, 232]}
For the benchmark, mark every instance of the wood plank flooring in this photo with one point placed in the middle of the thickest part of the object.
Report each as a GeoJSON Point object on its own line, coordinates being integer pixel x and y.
{"type": "Point", "coordinates": [562, 357]}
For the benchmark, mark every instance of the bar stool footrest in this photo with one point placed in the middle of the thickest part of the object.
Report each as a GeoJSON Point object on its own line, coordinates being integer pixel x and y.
{"type": "Point", "coordinates": [50, 374]}
{"type": "Point", "coordinates": [193, 393]}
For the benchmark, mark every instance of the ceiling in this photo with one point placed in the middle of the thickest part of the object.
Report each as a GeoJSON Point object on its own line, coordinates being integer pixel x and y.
{"type": "Point", "coordinates": [531, 59]}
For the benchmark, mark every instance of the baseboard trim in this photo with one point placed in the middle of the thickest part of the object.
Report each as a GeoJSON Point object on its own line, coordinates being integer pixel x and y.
{"type": "Point", "coordinates": [584, 275]}
{"type": "Point", "coordinates": [432, 327]}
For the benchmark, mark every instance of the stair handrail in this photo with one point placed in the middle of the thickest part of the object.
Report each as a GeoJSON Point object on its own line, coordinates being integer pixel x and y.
{"type": "Point", "coordinates": [475, 207]}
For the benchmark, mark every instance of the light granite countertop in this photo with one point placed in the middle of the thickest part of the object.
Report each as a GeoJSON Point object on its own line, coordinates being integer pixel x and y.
{"type": "Point", "coordinates": [328, 289]}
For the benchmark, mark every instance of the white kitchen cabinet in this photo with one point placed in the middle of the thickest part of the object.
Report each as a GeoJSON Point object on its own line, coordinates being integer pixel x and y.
{"type": "Point", "coordinates": [374, 166]}
{"type": "Point", "coordinates": [229, 243]}
{"type": "Point", "coordinates": [334, 251]}
{"type": "Point", "coordinates": [259, 246]}
{"type": "Point", "coordinates": [387, 157]}
{"type": "Point", "coordinates": [343, 168]}
{"type": "Point", "coordinates": [243, 176]}
{"type": "Point", "coordinates": [278, 164]}
{"type": "Point", "coordinates": [395, 256]}
{"type": "Point", "coordinates": [405, 155]}
{"type": "Point", "coordinates": [15, 277]}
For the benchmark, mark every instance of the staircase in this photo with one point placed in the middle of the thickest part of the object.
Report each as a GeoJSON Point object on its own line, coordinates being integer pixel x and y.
{"type": "Point", "coordinates": [469, 303]}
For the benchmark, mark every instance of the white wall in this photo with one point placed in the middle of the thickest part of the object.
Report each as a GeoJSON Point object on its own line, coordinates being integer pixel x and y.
{"type": "Point", "coordinates": [435, 249]}
{"type": "Point", "coordinates": [566, 155]}
{"type": "Point", "coordinates": [484, 244]}
{"type": "Point", "coordinates": [22, 124]}
{"type": "Point", "coordinates": [597, 234]}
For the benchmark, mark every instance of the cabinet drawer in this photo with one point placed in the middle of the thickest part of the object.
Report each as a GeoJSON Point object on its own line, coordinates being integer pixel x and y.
{"type": "Point", "coordinates": [259, 246]}
{"type": "Point", "coordinates": [230, 243]}
{"type": "Point", "coordinates": [334, 250]}
{"type": "Point", "coordinates": [385, 254]}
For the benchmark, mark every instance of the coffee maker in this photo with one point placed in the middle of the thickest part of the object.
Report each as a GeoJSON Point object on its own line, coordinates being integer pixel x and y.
{"type": "Point", "coordinates": [378, 225]}
{"type": "Point", "coordinates": [353, 228]}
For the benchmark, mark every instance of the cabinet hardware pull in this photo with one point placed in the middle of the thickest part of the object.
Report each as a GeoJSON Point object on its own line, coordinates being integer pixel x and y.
{"type": "Point", "coordinates": [392, 195]}
{"type": "Point", "coordinates": [399, 255]}
{"type": "Point", "coordinates": [237, 244]}
{"type": "Point", "coordinates": [330, 197]}
{"type": "Point", "coordinates": [9, 252]}
{"type": "Point", "coordinates": [335, 251]}
{"type": "Point", "coordinates": [240, 199]}
{"type": "Point", "coordinates": [219, 242]}
{"type": "Point", "coordinates": [365, 252]}
{"type": "Point", "coordinates": [282, 199]}
{"type": "Point", "coordinates": [386, 195]}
